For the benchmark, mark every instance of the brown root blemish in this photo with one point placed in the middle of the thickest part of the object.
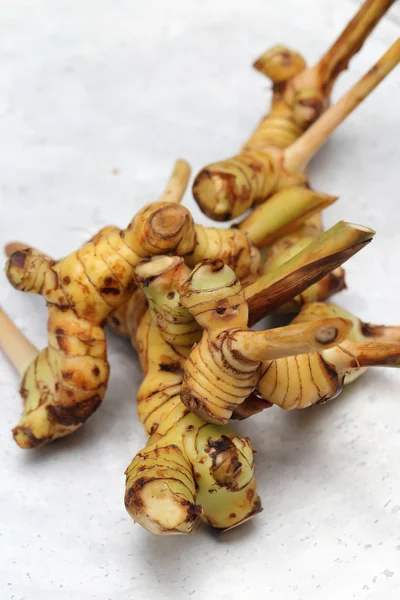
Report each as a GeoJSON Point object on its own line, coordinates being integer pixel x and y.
{"type": "Point", "coordinates": [194, 509]}
{"type": "Point", "coordinates": [76, 414]}
{"type": "Point", "coordinates": [18, 259]}
{"type": "Point", "coordinates": [172, 367]}
{"type": "Point", "coordinates": [250, 495]}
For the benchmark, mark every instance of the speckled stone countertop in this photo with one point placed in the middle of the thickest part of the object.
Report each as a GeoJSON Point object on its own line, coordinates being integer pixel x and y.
{"type": "Point", "coordinates": [97, 100]}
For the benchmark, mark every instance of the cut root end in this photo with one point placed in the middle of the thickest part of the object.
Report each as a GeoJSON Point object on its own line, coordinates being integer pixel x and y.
{"type": "Point", "coordinates": [159, 510]}
{"type": "Point", "coordinates": [326, 335]}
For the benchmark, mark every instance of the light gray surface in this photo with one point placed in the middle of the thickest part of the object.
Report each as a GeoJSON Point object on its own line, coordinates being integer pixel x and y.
{"type": "Point", "coordinates": [90, 87]}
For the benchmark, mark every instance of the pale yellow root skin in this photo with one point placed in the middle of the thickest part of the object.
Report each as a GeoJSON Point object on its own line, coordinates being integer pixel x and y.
{"type": "Point", "coordinates": [189, 469]}
{"type": "Point", "coordinates": [185, 472]}
{"type": "Point", "coordinates": [235, 247]}
{"type": "Point", "coordinates": [67, 381]}
{"type": "Point", "coordinates": [298, 155]}
{"type": "Point", "coordinates": [224, 367]}
{"type": "Point", "coordinates": [226, 189]}
{"type": "Point", "coordinates": [316, 378]}
{"type": "Point", "coordinates": [302, 94]}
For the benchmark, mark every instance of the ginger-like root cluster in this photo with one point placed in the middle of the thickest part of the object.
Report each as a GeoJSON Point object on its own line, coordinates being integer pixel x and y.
{"type": "Point", "coordinates": [226, 189]}
{"type": "Point", "coordinates": [314, 378]}
{"type": "Point", "coordinates": [189, 469]}
{"type": "Point", "coordinates": [66, 382]}
{"type": "Point", "coordinates": [223, 369]}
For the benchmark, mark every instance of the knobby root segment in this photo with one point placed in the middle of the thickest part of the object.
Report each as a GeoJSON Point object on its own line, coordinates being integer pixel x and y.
{"type": "Point", "coordinates": [316, 260]}
{"type": "Point", "coordinates": [194, 242]}
{"type": "Point", "coordinates": [177, 183]}
{"type": "Point", "coordinates": [227, 189]}
{"type": "Point", "coordinates": [300, 152]}
{"type": "Point", "coordinates": [280, 64]}
{"type": "Point", "coordinates": [285, 66]}
{"type": "Point", "coordinates": [314, 378]}
{"type": "Point", "coordinates": [66, 382]}
{"type": "Point", "coordinates": [13, 247]}
{"type": "Point", "coordinates": [224, 367]}
{"type": "Point", "coordinates": [126, 318]}
{"type": "Point", "coordinates": [288, 246]}
{"type": "Point", "coordinates": [15, 345]}
{"type": "Point", "coordinates": [301, 94]}
{"type": "Point", "coordinates": [159, 278]}
{"type": "Point", "coordinates": [189, 470]}
{"type": "Point", "coordinates": [232, 245]}
{"type": "Point", "coordinates": [123, 319]}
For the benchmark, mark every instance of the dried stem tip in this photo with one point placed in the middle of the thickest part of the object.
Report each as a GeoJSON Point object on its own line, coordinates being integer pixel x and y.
{"type": "Point", "coordinates": [326, 253]}
{"type": "Point", "coordinates": [337, 58]}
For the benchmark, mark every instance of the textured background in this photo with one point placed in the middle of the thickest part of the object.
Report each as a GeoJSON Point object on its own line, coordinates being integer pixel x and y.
{"type": "Point", "coordinates": [97, 100]}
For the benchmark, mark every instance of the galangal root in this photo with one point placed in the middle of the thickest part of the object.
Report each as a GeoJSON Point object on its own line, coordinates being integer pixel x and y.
{"type": "Point", "coordinates": [314, 378]}
{"type": "Point", "coordinates": [231, 361]}
{"type": "Point", "coordinates": [192, 470]}
{"type": "Point", "coordinates": [301, 94]}
{"type": "Point", "coordinates": [189, 469]}
{"type": "Point", "coordinates": [227, 189]}
{"type": "Point", "coordinates": [66, 382]}
{"type": "Point", "coordinates": [186, 296]}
